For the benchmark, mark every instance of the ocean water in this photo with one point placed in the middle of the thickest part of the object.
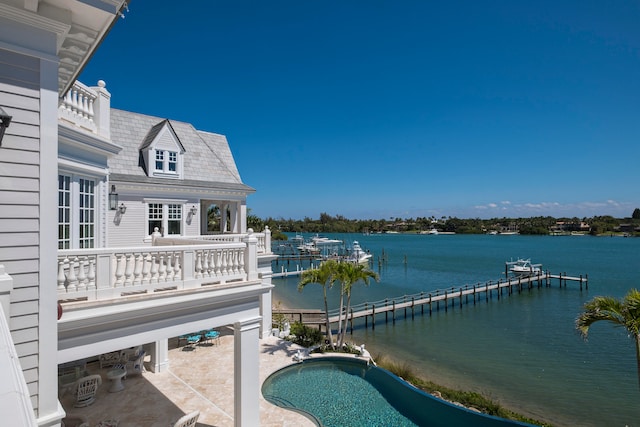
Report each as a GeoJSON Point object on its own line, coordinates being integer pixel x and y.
{"type": "Point", "coordinates": [521, 350]}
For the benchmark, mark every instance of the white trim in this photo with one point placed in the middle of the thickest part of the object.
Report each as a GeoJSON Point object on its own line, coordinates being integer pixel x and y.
{"type": "Point", "coordinates": [76, 167]}
{"type": "Point", "coordinates": [34, 20]}
{"type": "Point", "coordinates": [173, 201]}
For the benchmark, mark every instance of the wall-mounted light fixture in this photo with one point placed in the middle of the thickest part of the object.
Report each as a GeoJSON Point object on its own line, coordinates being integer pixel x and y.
{"type": "Point", "coordinates": [113, 198]}
{"type": "Point", "coordinates": [122, 209]}
{"type": "Point", "coordinates": [5, 120]}
{"type": "Point", "coordinates": [194, 210]}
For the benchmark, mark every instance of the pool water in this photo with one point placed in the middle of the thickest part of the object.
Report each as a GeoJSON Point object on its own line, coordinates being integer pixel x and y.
{"type": "Point", "coordinates": [338, 392]}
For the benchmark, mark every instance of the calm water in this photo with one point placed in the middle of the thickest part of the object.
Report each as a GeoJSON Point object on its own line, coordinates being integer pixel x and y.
{"type": "Point", "coordinates": [522, 350]}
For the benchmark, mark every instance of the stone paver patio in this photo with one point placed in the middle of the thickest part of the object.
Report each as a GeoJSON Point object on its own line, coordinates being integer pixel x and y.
{"type": "Point", "coordinates": [196, 380]}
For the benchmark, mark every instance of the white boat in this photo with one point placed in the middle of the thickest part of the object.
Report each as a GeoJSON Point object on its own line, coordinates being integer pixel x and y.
{"type": "Point", "coordinates": [432, 231]}
{"type": "Point", "coordinates": [358, 255]}
{"type": "Point", "coordinates": [319, 241]}
{"type": "Point", "coordinates": [523, 267]}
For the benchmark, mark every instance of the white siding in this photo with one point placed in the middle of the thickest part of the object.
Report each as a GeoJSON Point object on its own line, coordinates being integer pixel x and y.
{"type": "Point", "coordinates": [130, 229]}
{"type": "Point", "coordinates": [19, 204]}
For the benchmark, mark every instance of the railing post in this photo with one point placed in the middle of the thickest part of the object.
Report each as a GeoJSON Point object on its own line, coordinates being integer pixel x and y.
{"type": "Point", "coordinates": [251, 255]}
{"type": "Point", "coordinates": [373, 317]}
{"type": "Point", "coordinates": [267, 239]}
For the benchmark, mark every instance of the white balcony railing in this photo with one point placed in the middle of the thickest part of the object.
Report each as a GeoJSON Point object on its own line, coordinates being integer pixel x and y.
{"type": "Point", "coordinates": [263, 245]}
{"type": "Point", "coordinates": [106, 273]}
{"type": "Point", "coordinates": [77, 107]}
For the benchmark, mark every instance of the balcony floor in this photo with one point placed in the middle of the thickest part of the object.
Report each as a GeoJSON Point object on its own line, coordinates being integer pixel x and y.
{"type": "Point", "coordinates": [196, 380]}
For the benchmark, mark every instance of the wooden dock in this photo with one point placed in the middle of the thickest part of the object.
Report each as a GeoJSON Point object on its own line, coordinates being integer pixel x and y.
{"type": "Point", "coordinates": [448, 298]}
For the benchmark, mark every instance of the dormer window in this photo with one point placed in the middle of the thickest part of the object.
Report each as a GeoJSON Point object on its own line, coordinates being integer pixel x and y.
{"type": "Point", "coordinates": [173, 161]}
{"type": "Point", "coordinates": [159, 160]}
{"type": "Point", "coordinates": [166, 161]}
{"type": "Point", "coordinates": [162, 152]}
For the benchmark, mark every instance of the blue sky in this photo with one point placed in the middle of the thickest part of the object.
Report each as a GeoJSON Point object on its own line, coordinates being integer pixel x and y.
{"type": "Point", "coordinates": [380, 109]}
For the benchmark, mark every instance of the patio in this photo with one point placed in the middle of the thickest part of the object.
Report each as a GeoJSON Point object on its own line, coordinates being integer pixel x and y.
{"type": "Point", "coordinates": [197, 380]}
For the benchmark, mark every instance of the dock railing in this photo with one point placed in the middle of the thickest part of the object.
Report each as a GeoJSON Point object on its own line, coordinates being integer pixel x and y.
{"type": "Point", "coordinates": [446, 298]}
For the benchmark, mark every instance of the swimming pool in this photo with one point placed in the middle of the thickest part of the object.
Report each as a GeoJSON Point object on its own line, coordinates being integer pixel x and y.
{"type": "Point", "coordinates": [339, 392]}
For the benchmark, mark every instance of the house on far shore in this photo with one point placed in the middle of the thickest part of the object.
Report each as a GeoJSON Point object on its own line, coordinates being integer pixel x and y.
{"type": "Point", "coordinates": [117, 229]}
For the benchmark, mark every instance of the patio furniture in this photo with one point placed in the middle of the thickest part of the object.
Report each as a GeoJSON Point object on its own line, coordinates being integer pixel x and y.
{"type": "Point", "coordinates": [136, 365]}
{"type": "Point", "coordinates": [86, 389]}
{"type": "Point", "coordinates": [120, 356]}
{"type": "Point", "coordinates": [67, 381]}
{"type": "Point", "coordinates": [184, 338]}
{"type": "Point", "coordinates": [193, 340]}
{"type": "Point", "coordinates": [212, 335]}
{"type": "Point", "coordinates": [115, 375]}
{"type": "Point", "coordinates": [188, 420]}
{"type": "Point", "coordinates": [111, 358]}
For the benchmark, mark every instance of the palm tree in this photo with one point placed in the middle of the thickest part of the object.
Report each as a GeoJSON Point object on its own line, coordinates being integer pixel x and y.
{"type": "Point", "coordinates": [349, 274]}
{"type": "Point", "coordinates": [625, 312]}
{"type": "Point", "coordinates": [324, 275]}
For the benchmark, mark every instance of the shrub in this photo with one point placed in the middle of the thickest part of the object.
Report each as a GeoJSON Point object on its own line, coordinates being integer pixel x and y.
{"type": "Point", "coordinates": [304, 335]}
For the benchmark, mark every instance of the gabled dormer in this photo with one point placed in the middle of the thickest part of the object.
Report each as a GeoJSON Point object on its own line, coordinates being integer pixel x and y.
{"type": "Point", "coordinates": [163, 153]}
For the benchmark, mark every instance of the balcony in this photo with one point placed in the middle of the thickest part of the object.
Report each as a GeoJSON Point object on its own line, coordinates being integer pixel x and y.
{"type": "Point", "coordinates": [171, 264]}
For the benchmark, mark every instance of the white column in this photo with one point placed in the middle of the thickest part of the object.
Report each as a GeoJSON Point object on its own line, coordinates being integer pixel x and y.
{"type": "Point", "coordinates": [246, 380]}
{"type": "Point", "coordinates": [223, 217]}
{"type": "Point", "coordinates": [265, 310]}
{"type": "Point", "coordinates": [45, 396]}
{"type": "Point", "coordinates": [235, 222]}
{"type": "Point", "coordinates": [159, 352]}
{"type": "Point", "coordinates": [242, 216]}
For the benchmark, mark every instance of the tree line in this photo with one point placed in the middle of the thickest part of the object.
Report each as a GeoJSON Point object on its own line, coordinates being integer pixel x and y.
{"type": "Point", "coordinates": [540, 225]}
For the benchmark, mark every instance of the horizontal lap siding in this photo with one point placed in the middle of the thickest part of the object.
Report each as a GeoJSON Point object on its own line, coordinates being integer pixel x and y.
{"type": "Point", "coordinates": [20, 204]}
{"type": "Point", "coordinates": [130, 230]}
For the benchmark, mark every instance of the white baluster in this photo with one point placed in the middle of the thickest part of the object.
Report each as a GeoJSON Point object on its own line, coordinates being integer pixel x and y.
{"type": "Point", "coordinates": [74, 101]}
{"type": "Point", "coordinates": [137, 271]}
{"type": "Point", "coordinates": [120, 266]}
{"type": "Point", "coordinates": [90, 109]}
{"type": "Point", "coordinates": [169, 267]}
{"type": "Point", "coordinates": [82, 277]}
{"type": "Point", "coordinates": [163, 270]}
{"type": "Point", "coordinates": [198, 264]}
{"type": "Point", "coordinates": [73, 281]}
{"type": "Point", "coordinates": [91, 275]}
{"type": "Point", "coordinates": [240, 261]}
{"type": "Point", "coordinates": [128, 271]}
{"type": "Point", "coordinates": [218, 255]}
{"type": "Point", "coordinates": [176, 266]}
{"type": "Point", "coordinates": [61, 276]}
{"type": "Point", "coordinates": [205, 263]}
{"type": "Point", "coordinates": [225, 259]}
{"type": "Point", "coordinates": [154, 269]}
{"type": "Point", "coordinates": [146, 269]}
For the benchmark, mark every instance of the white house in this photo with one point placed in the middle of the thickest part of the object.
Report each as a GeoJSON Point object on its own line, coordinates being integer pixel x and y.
{"type": "Point", "coordinates": [116, 229]}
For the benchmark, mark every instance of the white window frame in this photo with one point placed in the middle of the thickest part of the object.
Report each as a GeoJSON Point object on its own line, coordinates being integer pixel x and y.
{"type": "Point", "coordinates": [170, 159]}
{"type": "Point", "coordinates": [73, 205]}
{"type": "Point", "coordinates": [165, 215]}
